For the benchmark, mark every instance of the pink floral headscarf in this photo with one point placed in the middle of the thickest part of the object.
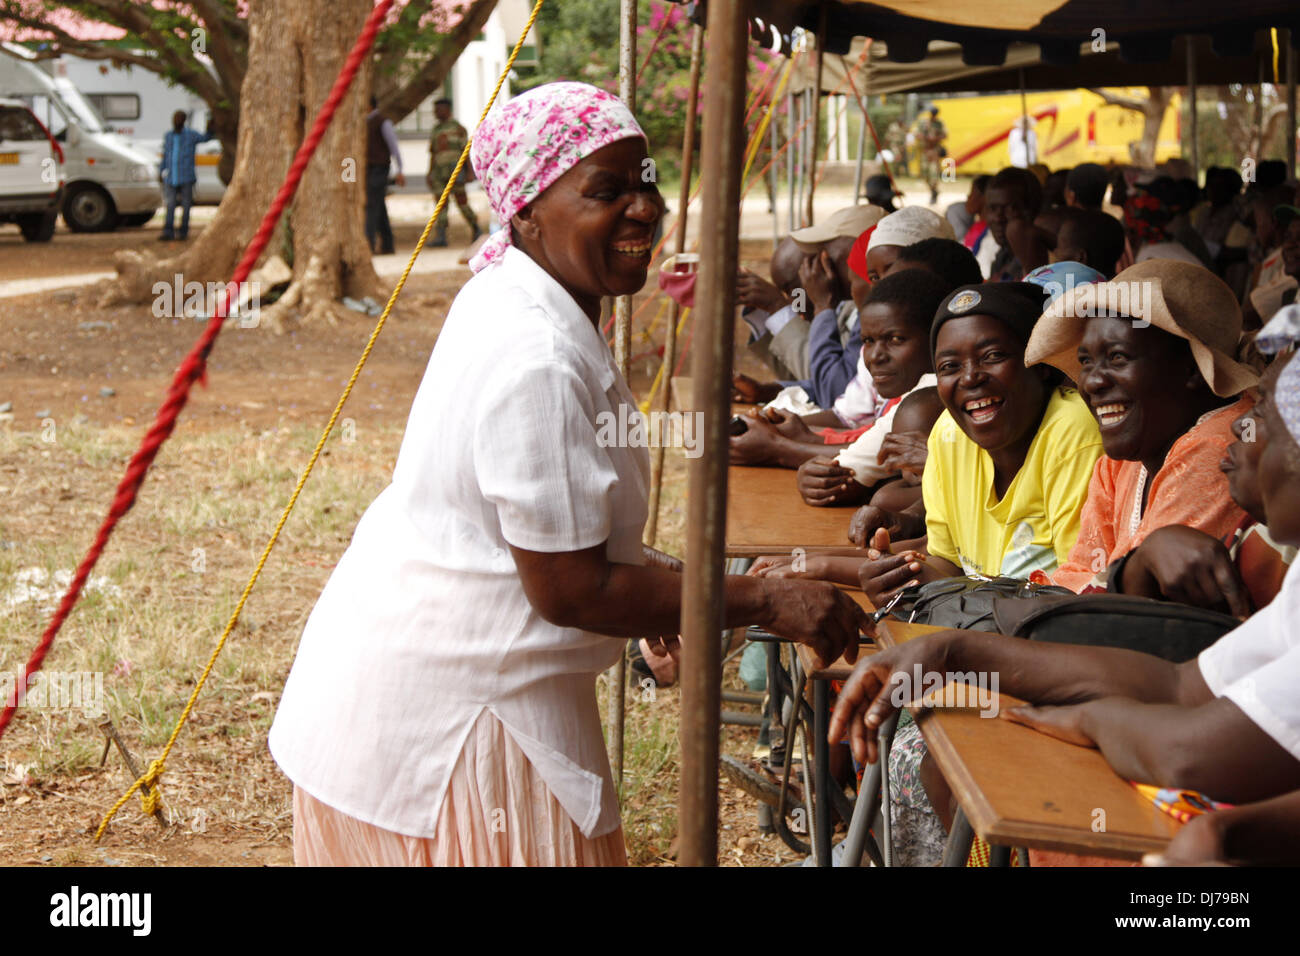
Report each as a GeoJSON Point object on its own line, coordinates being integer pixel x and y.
{"type": "Point", "coordinates": [526, 145]}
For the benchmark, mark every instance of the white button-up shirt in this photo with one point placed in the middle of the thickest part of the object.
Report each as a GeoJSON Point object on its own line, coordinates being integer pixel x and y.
{"type": "Point", "coordinates": [1256, 665]}
{"type": "Point", "coordinates": [424, 624]}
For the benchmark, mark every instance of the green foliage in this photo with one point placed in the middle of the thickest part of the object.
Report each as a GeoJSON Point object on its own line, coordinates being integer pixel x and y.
{"type": "Point", "coordinates": [167, 29]}
{"type": "Point", "coordinates": [579, 41]}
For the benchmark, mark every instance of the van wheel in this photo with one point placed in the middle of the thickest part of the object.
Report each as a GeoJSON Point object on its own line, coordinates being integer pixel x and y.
{"type": "Point", "coordinates": [38, 227]}
{"type": "Point", "coordinates": [88, 208]}
{"type": "Point", "coordinates": [135, 219]}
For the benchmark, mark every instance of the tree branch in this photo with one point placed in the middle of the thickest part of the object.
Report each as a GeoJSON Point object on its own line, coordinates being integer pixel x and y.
{"type": "Point", "coordinates": [227, 60]}
{"type": "Point", "coordinates": [136, 20]}
{"type": "Point", "coordinates": [1116, 99]}
{"type": "Point", "coordinates": [400, 102]}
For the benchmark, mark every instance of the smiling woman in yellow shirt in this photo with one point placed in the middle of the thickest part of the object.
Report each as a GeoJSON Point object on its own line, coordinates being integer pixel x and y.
{"type": "Point", "coordinates": [1033, 525]}
{"type": "Point", "coordinates": [1009, 460]}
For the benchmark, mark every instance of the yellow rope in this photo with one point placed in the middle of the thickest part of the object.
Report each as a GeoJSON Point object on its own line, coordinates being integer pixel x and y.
{"type": "Point", "coordinates": [757, 141]}
{"type": "Point", "coordinates": [151, 801]}
{"type": "Point", "coordinates": [1273, 33]}
{"type": "Point", "coordinates": [648, 332]}
{"type": "Point", "coordinates": [659, 376]}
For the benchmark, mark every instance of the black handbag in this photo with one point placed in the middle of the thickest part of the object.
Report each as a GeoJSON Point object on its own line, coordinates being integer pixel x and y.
{"type": "Point", "coordinates": [1175, 632]}
{"type": "Point", "coordinates": [967, 603]}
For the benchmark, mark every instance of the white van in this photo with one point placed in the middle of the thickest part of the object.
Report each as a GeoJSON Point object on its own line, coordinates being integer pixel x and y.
{"type": "Point", "coordinates": [31, 177]}
{"type": "Point", "coordinates": [109, 182]}
{"type": "Point", "coordinates": [138, 104]}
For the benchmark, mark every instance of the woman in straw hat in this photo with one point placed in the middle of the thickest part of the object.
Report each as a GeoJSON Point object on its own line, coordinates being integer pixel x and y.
{"type": "Point", "coordinates": [442, 708]}
{"type": "Point", "coordinates": [1226, 723]}
{"type": "Point", "coordinates": [1152, 353]}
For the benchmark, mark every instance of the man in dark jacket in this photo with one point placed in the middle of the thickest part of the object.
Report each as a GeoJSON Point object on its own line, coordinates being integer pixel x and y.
{"type": "Point", "coordinates": [381, 147]}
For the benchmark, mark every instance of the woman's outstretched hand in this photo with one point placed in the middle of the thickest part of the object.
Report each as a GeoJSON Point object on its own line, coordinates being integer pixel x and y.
{"type": "Point", "coordinates": [818, 614]}
{"type": "Point", "coordinates": [873, 691]}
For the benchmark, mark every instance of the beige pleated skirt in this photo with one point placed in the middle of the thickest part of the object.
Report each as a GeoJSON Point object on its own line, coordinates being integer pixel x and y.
{"type": "Point", "coordinates": [498, 812]}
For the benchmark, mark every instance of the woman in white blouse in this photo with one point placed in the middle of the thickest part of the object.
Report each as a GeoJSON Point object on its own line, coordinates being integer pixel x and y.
{"type": "Point", "coordinates": [442, 707]}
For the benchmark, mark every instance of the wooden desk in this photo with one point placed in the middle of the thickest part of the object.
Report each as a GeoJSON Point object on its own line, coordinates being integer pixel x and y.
{"type": "Point", "coordinates": [765, 515]}
{"type": "Point", "coordinates": [1018, 787]}
{"type": "Point", "coordinates": [840, 670]}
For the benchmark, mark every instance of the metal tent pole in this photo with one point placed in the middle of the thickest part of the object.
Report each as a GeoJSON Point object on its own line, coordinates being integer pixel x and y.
{"type": "Point", "coordinates": [1290, 103]}
{"type": "Point", "coordinates": [775, 177]}
{"type": "Point", "coordinates": [1030, 157]}
{"type": "Point", "coordinates": [664, 395]}
{"type": "Point", "coordinates": [622, 352]}
{"type": "Point", "coordinates": [802, 174]}
{"type": "Point", "coordinates": [723, 142]}
{"type": "Point", "coordinates": [791, 160]}
{"type": "Point", "coordinates": [816, 120]}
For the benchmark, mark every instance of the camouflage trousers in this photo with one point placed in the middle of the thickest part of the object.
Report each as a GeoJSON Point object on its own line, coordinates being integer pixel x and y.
{"type": "Point", "coordinates": [437, 184]}
{"type": "Point", "coordinates": [931, 166]}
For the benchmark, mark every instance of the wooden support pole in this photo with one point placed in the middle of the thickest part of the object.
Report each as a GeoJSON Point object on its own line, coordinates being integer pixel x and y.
{"type": "Point", "coordinates": [703, 597]}
{"type": "Point", "coordinates": [622, 353]}
{"type": "Point", "coordinates": [111, 736]}
{"type": "Point", "coordinates": [664, 394]}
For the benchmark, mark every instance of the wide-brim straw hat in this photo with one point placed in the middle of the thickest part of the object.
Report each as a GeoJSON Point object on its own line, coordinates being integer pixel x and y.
{"type": "Point", "coordinates": [1183, 299]}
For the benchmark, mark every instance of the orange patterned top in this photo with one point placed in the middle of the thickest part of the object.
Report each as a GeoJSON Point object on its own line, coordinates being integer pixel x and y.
{"type": "Point", "coordinates": [1189, 489]}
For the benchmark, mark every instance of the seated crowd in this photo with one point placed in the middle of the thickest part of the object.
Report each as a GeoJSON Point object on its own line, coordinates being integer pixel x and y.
{"type": "Point", "coordinates": [1045, 387]}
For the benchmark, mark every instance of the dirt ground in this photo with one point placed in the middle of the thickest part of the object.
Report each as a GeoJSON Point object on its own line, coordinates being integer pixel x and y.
{"type": "Point", "coordinates": [63, 359]}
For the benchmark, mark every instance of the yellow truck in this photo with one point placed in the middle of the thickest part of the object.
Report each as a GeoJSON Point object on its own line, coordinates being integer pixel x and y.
{"type": "Point", "coordinates": [1070, 126]}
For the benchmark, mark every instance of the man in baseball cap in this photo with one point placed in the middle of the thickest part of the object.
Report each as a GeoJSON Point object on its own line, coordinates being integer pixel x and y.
{"type": "Point", "coordinates": [847, 223]}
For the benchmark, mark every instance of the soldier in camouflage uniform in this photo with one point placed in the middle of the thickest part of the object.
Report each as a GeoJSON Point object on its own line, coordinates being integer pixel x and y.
{"type": "Point", "coordinates": [930, 134]}
{"type": "Point", "coordinates": [445, 145]}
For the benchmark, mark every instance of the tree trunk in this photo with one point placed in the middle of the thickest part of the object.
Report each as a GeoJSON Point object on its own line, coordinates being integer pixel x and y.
{"type": "Point", "coordinates": [296, 49]}
{"type": "Point", "coordinates": [1153, 115]}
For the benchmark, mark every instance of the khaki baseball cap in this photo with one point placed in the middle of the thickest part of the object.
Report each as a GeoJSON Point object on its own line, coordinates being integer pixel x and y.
{"type": "Point", "coordinates": [1185, 300]}
{"type": "Point", "coordinates": [848, 223]}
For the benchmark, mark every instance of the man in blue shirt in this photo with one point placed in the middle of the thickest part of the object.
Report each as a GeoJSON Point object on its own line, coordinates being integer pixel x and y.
{"type": "Point", "coordinates": [177, 172]}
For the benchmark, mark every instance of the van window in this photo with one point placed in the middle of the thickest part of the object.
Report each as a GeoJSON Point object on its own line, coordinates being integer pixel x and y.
{"type": "Point", "coordinates": [18, 124]}
{"type": "Point", "coordinates": [116, 106]}
{"type": "Point", "coordinates": [48, 113]}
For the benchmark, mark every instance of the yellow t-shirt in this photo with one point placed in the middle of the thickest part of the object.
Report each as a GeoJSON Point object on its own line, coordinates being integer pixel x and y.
{"type": "Point", "coordinates": [1034, 526]}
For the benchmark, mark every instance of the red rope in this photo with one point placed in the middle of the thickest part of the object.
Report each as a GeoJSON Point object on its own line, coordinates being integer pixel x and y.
{"type": "Point", "coordinates": [193, 368]}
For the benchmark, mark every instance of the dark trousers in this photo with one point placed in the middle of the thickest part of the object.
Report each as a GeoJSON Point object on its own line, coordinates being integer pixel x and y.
{"type": "Point", "coordinates": [376, 211]}
{"type": "Point", "coordinates": [184, 195]}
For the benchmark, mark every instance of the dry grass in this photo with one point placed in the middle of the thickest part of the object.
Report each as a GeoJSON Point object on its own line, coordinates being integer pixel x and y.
{"type": "Point", "coordinates": [179, 561]}
{"type": "Point", "coordinates": [181, 558]}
